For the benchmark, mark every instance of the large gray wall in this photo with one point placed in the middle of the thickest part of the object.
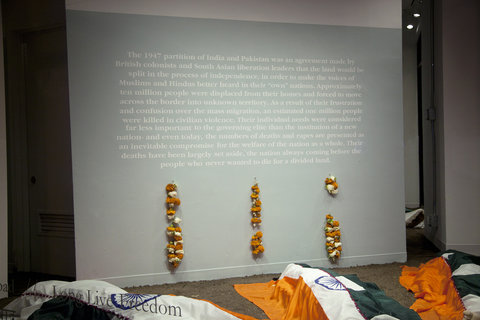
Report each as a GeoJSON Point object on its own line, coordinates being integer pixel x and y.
{"type": "Point", "coordinates": [119, 203]}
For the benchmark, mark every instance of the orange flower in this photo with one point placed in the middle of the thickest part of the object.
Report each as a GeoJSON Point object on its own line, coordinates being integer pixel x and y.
{"type": "Point", "coordinates": [260, 248]}
{"type": "Point", "coordinates": [255, 189]}
{"type": "Point", "coordinates": [258, 203]}
{"type": "Point", "coordinates": [256, 209]}
{"type": "Point", "coordinates": [171, 212]}
{"type": "Point", "coordinates": [177, 238]}
{"type": "Point", "coordinates": [329, 216]}
{"type": "Point", "coordinates": [336, 223]}
{"type": "Point", "coordinates": [254, 196]}
{"type": "Point", "coordinates": [259, 234]}
{"type": "Point", "coordinates": [175, 201]}
{"type": "Point", "coordinates": [180, 256]}
{"type": "Point", "coordinates": [171, 187]}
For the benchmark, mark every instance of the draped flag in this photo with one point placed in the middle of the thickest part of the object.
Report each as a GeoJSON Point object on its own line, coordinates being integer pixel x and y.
{"type": "Point", "coordinates": [447, 287]}
{"type": "Point", "coordinates": [95, 300]}
{"type": "Point", "coordinates": [303, 293]}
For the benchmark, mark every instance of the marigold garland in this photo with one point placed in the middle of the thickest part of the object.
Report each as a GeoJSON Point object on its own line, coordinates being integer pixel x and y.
{"type": "Point", "coordinates": [256, 242]}
{"type": "Point", "coordinates": [331, 185]}
{"type": "Point", "coordinates": [256, 220]}
{"type": "Point", "coordinates": [332, 235]}
{"type": "Point", "coordinates": [175, 245]}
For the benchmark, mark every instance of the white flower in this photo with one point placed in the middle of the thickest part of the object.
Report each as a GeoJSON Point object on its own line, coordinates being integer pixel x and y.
{"type": "Point", "coordinates": [170, 216]}
{"type": "Point", "coordinates": [179, 251]}
{"type": "Point", "coordinates": [179, 241]}
{"type": "Point", "coordinates": [330, 188]}
{"type": "Point", "coordinates": [178, 233]}
{"type": "Point", "coordinates": [328, 229]}
{"type": "Point", "coordinates": [177, 220]}
{"type": "Point", "coordinates": [332, 178]}
{"type": "Point", "coordinates": [333, 254]}
{"type": "Point", "coordinates": [171, 250]}
{"type": "Point", "coordinates": [330, 239]}
{"type": "Point", "coordinates": [337, 244]}
{"type": "Point", "coordinates": [334, 191]}
{"type": "Point", "coordinates": [172, 194]}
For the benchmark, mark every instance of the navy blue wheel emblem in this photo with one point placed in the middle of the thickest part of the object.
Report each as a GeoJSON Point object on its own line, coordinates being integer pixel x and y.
{"type": "Point", "coordinates": [331, 283]}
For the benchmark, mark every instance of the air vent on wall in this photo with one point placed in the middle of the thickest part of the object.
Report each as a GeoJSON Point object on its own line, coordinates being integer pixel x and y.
{"type": "Point", "coordinates": [56, 224]}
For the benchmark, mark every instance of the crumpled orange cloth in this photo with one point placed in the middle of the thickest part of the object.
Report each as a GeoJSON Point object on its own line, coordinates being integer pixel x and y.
{"type": "Point", "coordinates": [437, 297]}
{"type": "Point", "coordinates": [283, 299]}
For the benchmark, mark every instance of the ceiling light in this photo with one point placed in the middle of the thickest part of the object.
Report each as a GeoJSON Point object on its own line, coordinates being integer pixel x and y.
{"type": "Point", "coordinates": [410, 27]}
{"type": "Point", "coordinates": [416, 15]}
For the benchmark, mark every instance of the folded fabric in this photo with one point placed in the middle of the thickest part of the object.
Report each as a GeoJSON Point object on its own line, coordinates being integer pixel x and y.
{"type": "Point", "coordinates": [303, 293]}
{"type": "Point", "coordinates": [446, 287]}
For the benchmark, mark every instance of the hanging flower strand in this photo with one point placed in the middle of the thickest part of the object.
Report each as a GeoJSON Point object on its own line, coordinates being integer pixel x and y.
{"type": "Point", "coordinates": [331, 185]}
{"type": "Point", "coordinates": [256, 243]}
{"type": "Point", "coordinates": [175, 244]}
{"type": "Point", "coordinates": [256, 220]}
{"type": "Point", "coordinates": [332, 235]}
{"type": "Point", "coordinates": [256, 206]}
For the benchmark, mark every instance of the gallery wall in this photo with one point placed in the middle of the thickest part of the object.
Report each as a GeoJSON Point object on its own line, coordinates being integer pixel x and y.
{"type": "Point", "coordinates": [217, 100]}
{"type": "Point", "coordinates": [457, 98]}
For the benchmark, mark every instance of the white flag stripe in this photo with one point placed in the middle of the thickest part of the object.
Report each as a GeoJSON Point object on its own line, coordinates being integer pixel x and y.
{"type": "Point", "coordinates": [471, 302]}
{"type": "Point", "coordinates": [467, 269]}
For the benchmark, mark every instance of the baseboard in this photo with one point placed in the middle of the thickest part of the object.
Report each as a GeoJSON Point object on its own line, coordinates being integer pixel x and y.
{"type": "Point", "coordinates": [247, 270]}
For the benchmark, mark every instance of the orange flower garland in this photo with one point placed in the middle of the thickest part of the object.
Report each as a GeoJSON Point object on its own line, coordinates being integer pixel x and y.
{"type": "Point", "coordinates": [174, 232]}
{"type": "Point", "coordinates": [256, 220]}
{"type": "Point", "coordinates": [331, 185]}
{"type": "Point", "coordinates": [332, 235]}
{"type": "Point", "coordinates": [256, 243]}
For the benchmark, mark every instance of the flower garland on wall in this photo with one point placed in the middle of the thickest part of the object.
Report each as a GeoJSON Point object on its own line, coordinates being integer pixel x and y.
{"type": "Point", "coordinates": [175, 244]}
{"type": "Point", "coordinates": [256, 220]}
{"type": "Point", "coordinates": [331, 185]}
{"type": "Point", "coordinates": [332, 234]}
